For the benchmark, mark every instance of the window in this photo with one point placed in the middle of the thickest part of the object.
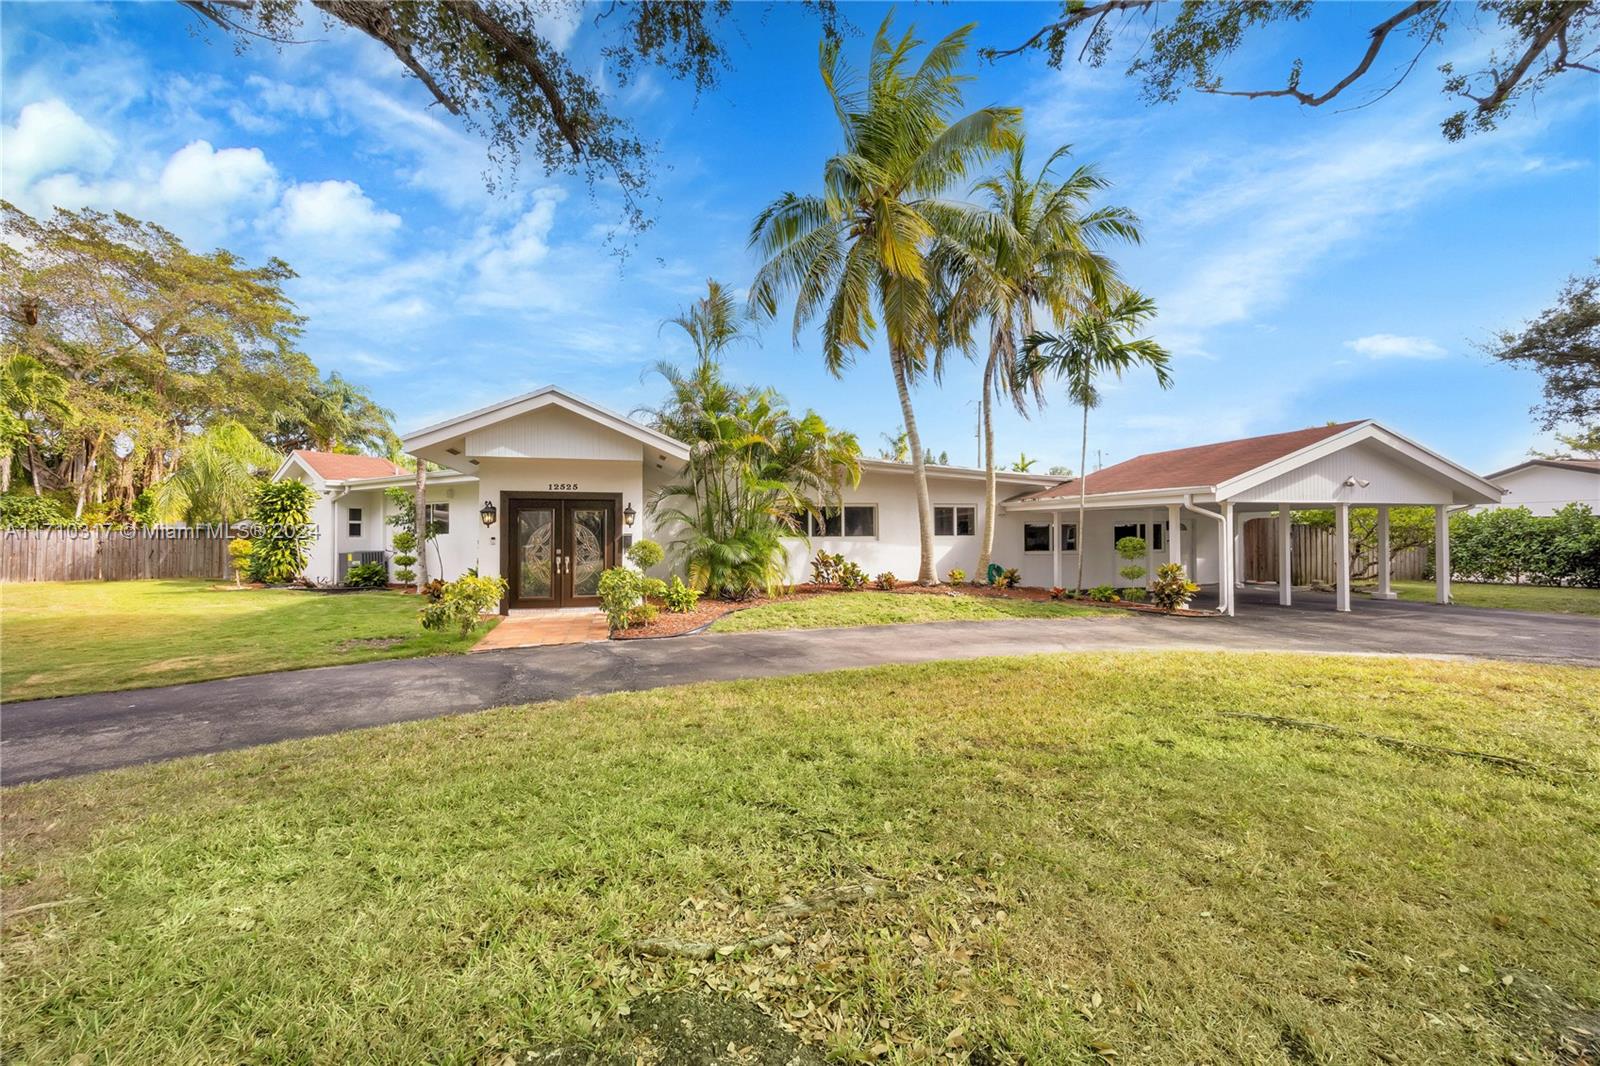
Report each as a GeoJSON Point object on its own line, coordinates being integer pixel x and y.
{"type": "Point", "coordinates": [1133, 530]}
{"type": "Point", "coordinates": [354, 515]}
{"type": "Point", "coordinates": [1158, 536]}
{"type": "Point", "coordinates": [1035, 538]}
{"type": "Point", "coordinates": [858, 520]}
{"type": "Point", "coordinates": [1069, 536]}
{"type": "Point", "coordinates": [438, 518]}
{"type": "Point", "coordinates": [955, 521]}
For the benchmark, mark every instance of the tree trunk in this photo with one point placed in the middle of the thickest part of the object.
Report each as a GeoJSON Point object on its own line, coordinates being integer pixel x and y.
{"type": "Point", "coordinates": [5, 472]}
{"type": "Point", "coordinates": [420, 506]}
{"type": "Point", "coordinates": [1083, 489]}
{"type": "Point", "coordinates": [986, 544]}
{"type": "Point", "coordinates": [33, 467]}
{"type": "Point", "coordinates": [925, 573]}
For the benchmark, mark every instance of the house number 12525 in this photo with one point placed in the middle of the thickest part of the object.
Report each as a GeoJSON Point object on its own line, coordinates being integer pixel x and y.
{"type": "Point", "coordinates": [563, 486]}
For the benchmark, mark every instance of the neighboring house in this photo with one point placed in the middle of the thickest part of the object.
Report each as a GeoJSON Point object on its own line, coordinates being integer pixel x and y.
{"type": "Point", "coordinates": [549, 489]}
{"type": "Point", "coordinates": [1544, 486]}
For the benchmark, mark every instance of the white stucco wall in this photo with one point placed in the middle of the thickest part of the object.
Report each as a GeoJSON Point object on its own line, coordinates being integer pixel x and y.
{"type": "Point", "coordinates": [598, 476]}
{"type": "Point", "coordinates": [1546, 489]}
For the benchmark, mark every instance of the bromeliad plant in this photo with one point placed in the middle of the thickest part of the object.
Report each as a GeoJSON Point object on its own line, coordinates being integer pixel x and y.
{"type": "Point", "coordinates": [754, 470]}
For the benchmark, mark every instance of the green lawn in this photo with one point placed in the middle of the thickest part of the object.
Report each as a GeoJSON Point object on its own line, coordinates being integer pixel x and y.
{"type": "Point", "coordinates": [887, 608]}
{"type": "Point", "coordinates": [94, 636]}
{"type": "Point", "coordinates": [1083, 862]}
{"type": "Point", "coordinates": [1507, 597]}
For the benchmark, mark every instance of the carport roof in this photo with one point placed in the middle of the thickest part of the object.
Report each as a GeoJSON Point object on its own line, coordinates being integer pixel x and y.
{"type": "Point", "coordinates": [1202, 467]}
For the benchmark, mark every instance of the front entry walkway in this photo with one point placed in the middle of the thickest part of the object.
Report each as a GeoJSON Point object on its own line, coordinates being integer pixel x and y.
{"type": "Point", "coordinates": [542, 628]}
{"type": "Point", "coordinates": [79, 734]}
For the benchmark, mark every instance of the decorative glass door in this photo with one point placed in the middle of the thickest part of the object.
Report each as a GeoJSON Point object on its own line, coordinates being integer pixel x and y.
{"type": "Point", "coordinates": [534, 555]}
{"type": "Point", "coordinates": [586, 523]}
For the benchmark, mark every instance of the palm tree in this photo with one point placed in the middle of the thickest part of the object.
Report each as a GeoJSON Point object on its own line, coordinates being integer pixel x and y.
{"type": "Point", "coordinates": [29, 390]}
{"type": "Point", "coordinates": [896, 447]}
{"type": "Point", "coordinates": [1044, 258]}
{"type": "Point", "coordinates": [1023, 464]}
{"type": "Point", "coordinates": [216, 477]}
{"type": "Point", "coordinates": [1094, 344]}
{"type": "Point", "coordinates": [858, 254]}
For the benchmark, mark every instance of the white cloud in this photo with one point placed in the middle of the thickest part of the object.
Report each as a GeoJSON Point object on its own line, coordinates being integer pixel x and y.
{"type": "Point", "coordinates": [214, 181]}
{"type": "Point", "coordinates": [1391, 346]}
{"type": "Point", "coordinates": [334, 215]}
{"type": "Point", "coordinates": [49, 137]}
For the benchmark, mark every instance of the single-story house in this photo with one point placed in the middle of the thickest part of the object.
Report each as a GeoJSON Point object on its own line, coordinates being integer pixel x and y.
{"type": "Point", "coordinates": [1545, 486]}
{"type": "Point", "coordinates": [548, 489]}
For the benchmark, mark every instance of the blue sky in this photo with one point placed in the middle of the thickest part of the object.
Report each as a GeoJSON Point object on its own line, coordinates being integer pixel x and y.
{"type": "Point", "coordinates": [1311, 265]}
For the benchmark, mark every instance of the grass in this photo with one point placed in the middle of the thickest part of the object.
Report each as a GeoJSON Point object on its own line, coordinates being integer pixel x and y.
{"type": "Point", "coordinates": [57, 639]}
{"type": "Point", "coordinates": [888, 608]}
{"type": "Point", "coordinates": [1507, 597]}
{"type": "Point", "coordinates": [1089, 860]}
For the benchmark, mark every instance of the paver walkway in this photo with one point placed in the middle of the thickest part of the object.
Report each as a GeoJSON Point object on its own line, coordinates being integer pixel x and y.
{"type": "Point", "coordinates": [538, 629]}
{"type": "Point", "coordinates": [78, 734]}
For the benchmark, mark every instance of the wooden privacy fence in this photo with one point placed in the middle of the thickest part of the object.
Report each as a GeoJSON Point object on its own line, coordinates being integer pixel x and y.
{"type": "Point", "coordinates": [107, 554]}
{"type": "Point", "coordinates": [1311, 555]}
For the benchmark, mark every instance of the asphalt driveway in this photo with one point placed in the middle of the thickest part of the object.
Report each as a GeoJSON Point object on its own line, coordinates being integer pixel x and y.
{"type": "Point", "coordinates": [80, 734]}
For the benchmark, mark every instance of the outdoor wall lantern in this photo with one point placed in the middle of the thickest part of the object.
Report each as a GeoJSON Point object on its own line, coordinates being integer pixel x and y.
{"type": "Point", "coordinates": [487, 513]}
{"type": "Point", "coordinates": [628, 516]}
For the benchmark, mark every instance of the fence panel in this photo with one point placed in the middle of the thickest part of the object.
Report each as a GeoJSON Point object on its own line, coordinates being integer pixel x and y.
{"type": "Point", "coordinates": [1311, 555]}
{"type": "Point", "coordinates": [111, 554]}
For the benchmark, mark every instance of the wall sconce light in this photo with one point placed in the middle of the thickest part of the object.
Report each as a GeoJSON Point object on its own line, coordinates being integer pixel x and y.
{"type": "Point", "coordinates": [628, 515]}
{"type": "Point", "coordinates": [487, 513]}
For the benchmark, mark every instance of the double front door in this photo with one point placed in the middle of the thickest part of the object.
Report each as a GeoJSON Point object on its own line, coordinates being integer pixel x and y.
{"type": "Point", "coordinates": [558, 549]}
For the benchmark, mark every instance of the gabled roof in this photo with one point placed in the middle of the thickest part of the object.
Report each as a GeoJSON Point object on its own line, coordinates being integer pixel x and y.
{"type": "Point", "coordinates": [1587, 466]}
{"type": "Point", "coordinates": [336, 466]}
{"type": "Point", "coordinates": [889, 466]}
{"type": "Point", "coordinates": [532, 401]}
{"type": "Point", "coordinates": [1202, 467]}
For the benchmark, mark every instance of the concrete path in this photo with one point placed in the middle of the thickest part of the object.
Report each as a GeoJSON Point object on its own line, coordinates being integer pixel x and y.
{"type": "Point", "coordinates": [79, 734]}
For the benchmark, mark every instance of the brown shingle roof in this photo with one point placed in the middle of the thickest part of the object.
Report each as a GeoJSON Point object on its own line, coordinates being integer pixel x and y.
{"type": "Point", "coordinates": [1203, 466]}
{"type": "Point", "coordinates": [335, 466]}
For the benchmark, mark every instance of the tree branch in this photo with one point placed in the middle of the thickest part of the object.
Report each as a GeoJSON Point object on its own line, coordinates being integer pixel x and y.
{"type": "Point", "coordinates": [1379, 33]}
{"type": "Point", "coordinates": [1504, 86]}
{"type": "Point", "coordinates": [520, 51]}
{"type": "Point", "coordinates": [377, 22]}
{"type": "Point", "coordinates": [1066, 25]}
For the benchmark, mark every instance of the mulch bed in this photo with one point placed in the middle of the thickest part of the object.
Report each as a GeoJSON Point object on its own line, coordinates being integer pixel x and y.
{"type": "Point", "coordinates": [707, 611]}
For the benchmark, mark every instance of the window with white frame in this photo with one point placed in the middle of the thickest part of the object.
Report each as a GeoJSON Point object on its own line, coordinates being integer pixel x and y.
{"type": "Point", "coordinates": [955, 521]}
{"type": "Point", "coordinates": [1069, 536]}
{"type": "Point", "coordinates": [1035, 537]}
{"type": "Point", "coordinates": [858, 520]}
{"type": "Point", "coordinates": [353, 517]}
{"type": "Point", "coordinates": [439, 518]}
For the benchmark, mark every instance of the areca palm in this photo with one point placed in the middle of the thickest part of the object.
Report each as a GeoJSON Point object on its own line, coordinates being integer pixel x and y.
{"type": "Point", "coordinates": [29, 390]}
{"type": "Point", "coordinates": [1096, 343]}
{"type": "Point", "coordinates": [216, 477]}
{"type": "Point", "coordinates": [857, 255]}
{"type": "Point", "coordinates": [1044, 258]}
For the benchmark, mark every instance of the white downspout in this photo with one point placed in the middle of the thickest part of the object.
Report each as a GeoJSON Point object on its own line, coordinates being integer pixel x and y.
{"type": "Point", "coordinates": [1224, 554]}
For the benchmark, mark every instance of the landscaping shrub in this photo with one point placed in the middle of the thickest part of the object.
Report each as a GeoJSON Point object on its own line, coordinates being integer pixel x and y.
{"type": "Point", "coordinates": [405, 542]}
{"type": "Point", "coordinates": [1103, 594]}
{"type": "Point", "coordinates": [366, 576]}
{"type": "Point", "coordinates": [1171, 588]}
{"type": "Point", "coordinates": [23, 510]}
{"type": "Point", "coordinates": [239, 554]}
{"type": "Point", "coordinates": [281, 519]}
{"type": "Point", "coordinates": [1513, 544]}
{"type": "Point", "coordinates": [885, 581]}
{"type": "Point", "coordinates": [956, 575]}
{"type": "Point", "coordinates": [825, 568]}
{"type": "Point", "coordinates": [645, 554]}
{"type": "Point", "coordinates": [1133, 594]}
{"type": "Point", "coordinates": [852, 578]}
{"type": "Point", "coordinates": [680, 598]}
{"type": "Point", "coordinates": [1057, 592]}
{"type": "Point", "coordinates": [1132, 549]}
{"type": "Point", "coordinates": [1009, 578]}
{"type": "Point", "coordinates": [434, 589]}
{"type": "Point", "coordinates": [623, 590]}
{"type": "Point", "coordinates": [461, 601]}
{"type": "Point", "coordinates": [642, 614]}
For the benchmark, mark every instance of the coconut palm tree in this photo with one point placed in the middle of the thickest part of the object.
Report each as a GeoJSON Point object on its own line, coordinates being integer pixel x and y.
{"type": "Point", "coordinates": [858, 253]}
{"type": "Point", "coordinates": [1045, 260]}
{"type": "Point", "coordinates": [1094, 344]}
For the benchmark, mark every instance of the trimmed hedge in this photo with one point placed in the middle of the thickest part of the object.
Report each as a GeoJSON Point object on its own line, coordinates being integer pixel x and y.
{"type": "Point", "coordinates": [1513, 544]}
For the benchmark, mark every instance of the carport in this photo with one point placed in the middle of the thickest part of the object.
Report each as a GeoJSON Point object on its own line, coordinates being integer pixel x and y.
{"type": "Point", "coordinates": [1211, 490]}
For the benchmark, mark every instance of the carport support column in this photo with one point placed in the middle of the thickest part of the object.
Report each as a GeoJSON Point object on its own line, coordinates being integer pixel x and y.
{"type": "Point", "coordinates": [1175, 533]}
{"type": "Point", "coordinates": [1441, 554]}
{"type": "Point", "coordinates": [1225, 593]}
{"type": "Point", "coordinates": [1285, 557]}
{"type": "Point", "coordinates": [1055, 546]}
{"type": "Point", "coordinates": [1341, 557]}
{"type": "Point", "coordinates": [1383, 592]}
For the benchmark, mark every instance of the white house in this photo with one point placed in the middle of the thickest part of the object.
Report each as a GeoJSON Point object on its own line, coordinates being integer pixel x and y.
{"type": "Point", "coordinates": [548, 489]}
{"type": "Point", "coordinates": [1545, 486]}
